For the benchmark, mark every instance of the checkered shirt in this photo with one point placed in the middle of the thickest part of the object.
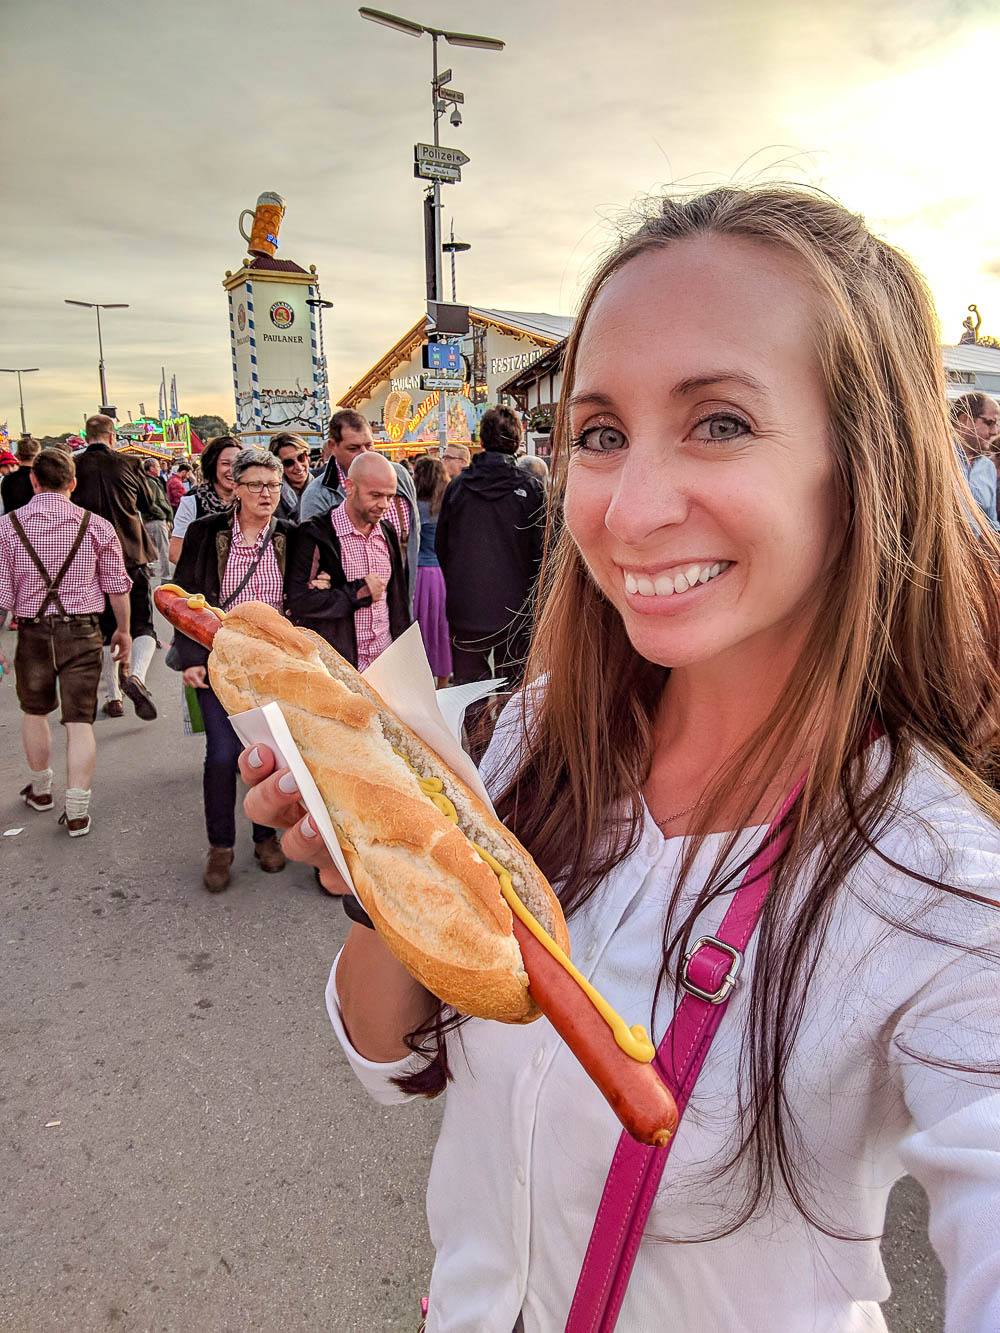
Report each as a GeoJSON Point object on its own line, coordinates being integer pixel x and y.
{"type": "Point", "coordinates": [359, 556]}
{"type": "Point", "coordinates": [51, 523]}
{"type": "Point", "coordinates": [265, 583]}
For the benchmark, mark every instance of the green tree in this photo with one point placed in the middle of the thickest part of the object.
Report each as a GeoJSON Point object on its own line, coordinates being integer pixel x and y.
{"type": "Point", "coordinates": [208, 426]}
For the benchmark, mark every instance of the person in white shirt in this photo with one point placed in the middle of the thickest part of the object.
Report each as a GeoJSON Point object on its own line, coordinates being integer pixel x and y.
{"type": "Point", "coordinates": [765, 575]}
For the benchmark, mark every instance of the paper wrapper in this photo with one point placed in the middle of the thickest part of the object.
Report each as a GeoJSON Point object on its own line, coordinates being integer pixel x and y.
{"type": "Point", "coordinates": [402, 677]}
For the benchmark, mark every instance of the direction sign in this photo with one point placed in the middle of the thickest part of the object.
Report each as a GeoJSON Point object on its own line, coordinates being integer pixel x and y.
{"type": "Point", "coordinates": [445, 357]}
{"type": "Point", "coordinates": [445, 157]}
{"type": "Point", "coordinates": [444, 382]}
{"type": "Point", "coordinates": [434, 171]}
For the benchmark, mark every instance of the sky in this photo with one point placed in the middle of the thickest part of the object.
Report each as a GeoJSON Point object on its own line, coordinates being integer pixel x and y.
{"type": "Point", "coordinates": [133, 133]}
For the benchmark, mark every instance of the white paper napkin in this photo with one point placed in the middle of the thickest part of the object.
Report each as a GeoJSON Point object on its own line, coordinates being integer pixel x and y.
{"type": "Point", "coordinates": [402, 676]}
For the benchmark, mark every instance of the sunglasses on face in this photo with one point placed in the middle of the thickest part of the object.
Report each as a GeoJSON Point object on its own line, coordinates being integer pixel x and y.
{"type": "Point", "coordinates": [296, 458]}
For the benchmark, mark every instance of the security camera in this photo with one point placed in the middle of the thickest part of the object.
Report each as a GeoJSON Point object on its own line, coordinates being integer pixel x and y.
{"type": "Point", "coordinates": [456, 117]}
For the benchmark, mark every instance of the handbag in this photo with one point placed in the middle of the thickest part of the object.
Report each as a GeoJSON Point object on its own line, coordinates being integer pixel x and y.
{"type": "Point", "coordinates": [173, 658]}
{"type": "Point", "coordinates": [708, 975]}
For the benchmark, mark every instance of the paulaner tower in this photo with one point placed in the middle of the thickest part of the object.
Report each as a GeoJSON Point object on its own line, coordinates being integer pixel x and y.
{"type": "Point", "coordinates": [275, 333]}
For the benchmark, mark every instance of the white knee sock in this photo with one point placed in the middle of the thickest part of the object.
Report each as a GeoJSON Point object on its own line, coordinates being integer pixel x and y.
{"type": "Point", "coordinates": [109, 677]}
{"type": "Point", "coordinates": [77, 803]}
{"type": "Point", "coordinates": [41, 781]}
{"type": "Point", "coordinates": [143, 651]}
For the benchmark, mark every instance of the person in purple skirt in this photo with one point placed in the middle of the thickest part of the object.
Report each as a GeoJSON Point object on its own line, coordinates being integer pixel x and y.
{"type": "Point", "coordinates": [431, 480]}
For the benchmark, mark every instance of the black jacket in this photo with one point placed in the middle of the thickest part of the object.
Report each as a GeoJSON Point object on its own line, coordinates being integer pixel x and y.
{"type": "Point", "coordinates": [330, 611]}
{"type": "Point", "coordinates": [16, 489]}
{"type": "Point", "coordinates": [106, 485]}
{"type": "Point", "coordinates": [489, 542]}
{"type": "Point", "coordinates": [203, 564]}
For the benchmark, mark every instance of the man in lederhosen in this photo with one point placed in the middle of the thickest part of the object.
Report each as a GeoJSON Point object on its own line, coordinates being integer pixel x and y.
{"type": "Point", "coordinates": [58, 562]}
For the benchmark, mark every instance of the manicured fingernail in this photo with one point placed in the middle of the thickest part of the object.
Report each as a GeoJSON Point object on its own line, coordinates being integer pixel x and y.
{"type": "Point", "coordinates": [254, 759]}
{"type": "Point", "coordinates": [308, 828]}
{"type": "Point", "coordinates": [287, 784]}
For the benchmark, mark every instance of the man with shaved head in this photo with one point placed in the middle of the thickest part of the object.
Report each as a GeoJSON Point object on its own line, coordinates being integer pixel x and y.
{"type": "Point", "coordinates": [346, 578]}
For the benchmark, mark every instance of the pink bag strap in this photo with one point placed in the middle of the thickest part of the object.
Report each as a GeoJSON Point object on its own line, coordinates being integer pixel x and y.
{"type": "Point", "coordinates": [708, 976]}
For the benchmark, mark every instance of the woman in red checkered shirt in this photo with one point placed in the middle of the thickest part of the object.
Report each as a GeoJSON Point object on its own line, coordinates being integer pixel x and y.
{"type": "Point", "coordinates": [247, 565]}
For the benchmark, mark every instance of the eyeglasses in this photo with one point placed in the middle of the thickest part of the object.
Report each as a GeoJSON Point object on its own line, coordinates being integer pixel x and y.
{"type": "Point", "coordinates": [290, 462]}
{"type": "Point", "coordinates": [259, 487]}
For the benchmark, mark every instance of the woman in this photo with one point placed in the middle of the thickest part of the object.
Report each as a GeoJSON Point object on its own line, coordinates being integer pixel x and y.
{"type": "Point", "coordinates": [431, 480]}
{"type": "Point", "coordinates": [214, 494]}
{"type": "Point", "coordinates": [246, 565]}
{"type": "Point", "coordinates": [766, 575]}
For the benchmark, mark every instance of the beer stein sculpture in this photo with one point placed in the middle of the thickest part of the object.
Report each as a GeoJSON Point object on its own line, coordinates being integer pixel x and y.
{"type": "Point", "coordinates": [263, 236]}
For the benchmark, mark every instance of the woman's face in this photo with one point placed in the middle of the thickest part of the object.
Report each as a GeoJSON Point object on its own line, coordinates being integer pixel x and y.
{"type": "Point", "coordinates": [258, 492]}
{"type": "Point", "coordinates": [224, 466]}
{"type": "Point", "coordinates": [701, 486]}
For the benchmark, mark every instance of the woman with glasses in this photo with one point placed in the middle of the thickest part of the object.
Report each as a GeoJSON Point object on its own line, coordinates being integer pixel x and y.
{"type": "Point", "coordinates": [232, 557]}
{"type": "Point", "coordinates": [292, 453]}
{"type": "Point", "coordinates": [213, 495]}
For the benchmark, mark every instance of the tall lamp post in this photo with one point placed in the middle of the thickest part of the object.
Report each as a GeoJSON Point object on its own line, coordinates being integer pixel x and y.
{"type": "Point", "coordinates": [99, 306]}
{"type": "Point", "coordinates": [24, 370]}
{"type": "Point", "coordinates": [441, 98]}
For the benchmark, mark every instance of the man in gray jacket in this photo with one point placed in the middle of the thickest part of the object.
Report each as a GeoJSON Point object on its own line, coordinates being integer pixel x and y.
{"type": "Point", "coordinates": [350, 435]}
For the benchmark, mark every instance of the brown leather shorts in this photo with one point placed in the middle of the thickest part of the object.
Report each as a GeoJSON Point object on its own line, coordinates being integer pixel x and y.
{"type": "Point", "coordinates": [63, 649]}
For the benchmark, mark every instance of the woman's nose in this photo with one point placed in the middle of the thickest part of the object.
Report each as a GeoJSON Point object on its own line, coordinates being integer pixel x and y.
{"type": "Point", "coordinates": [649, 493]}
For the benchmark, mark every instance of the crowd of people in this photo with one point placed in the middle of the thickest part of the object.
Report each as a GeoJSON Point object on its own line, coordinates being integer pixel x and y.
{"type": "Point", "coordinates": [354, 548]}
{"type": "Point", "coordinates": [757, 754]}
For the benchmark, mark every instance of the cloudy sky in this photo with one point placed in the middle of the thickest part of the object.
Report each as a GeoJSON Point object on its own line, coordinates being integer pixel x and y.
{"type": "Point", "coordinates": [134, 132]}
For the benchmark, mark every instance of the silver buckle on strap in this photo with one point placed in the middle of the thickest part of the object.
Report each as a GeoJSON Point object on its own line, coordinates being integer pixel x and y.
{"type": "Point", "coordinates": [728, 981]}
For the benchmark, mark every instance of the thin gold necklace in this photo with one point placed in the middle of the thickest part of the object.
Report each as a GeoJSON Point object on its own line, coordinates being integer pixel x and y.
{"type": "Point", "coordinates": [669, 819]}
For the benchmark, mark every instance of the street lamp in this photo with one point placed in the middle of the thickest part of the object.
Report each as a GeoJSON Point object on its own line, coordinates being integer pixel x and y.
{"type": "Point", "coordinates": [319, 305]}
{"type": "Point", "coordinates": [453, 248]}
{"type": "Point", "coordinates": [24, 370]}
{"type": "Point", "coordinates": [99, 306]}
{"type": "Point", "coordinates": [441, 98]}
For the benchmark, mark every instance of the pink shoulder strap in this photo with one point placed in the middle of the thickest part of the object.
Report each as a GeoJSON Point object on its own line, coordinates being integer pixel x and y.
{"type": "Point", "coordinates": [709, 974]}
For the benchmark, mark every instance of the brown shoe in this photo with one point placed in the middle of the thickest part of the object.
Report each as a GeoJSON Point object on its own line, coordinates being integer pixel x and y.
{"type": "Point", "coordinates": [36, 801]}
{"type": "Point", "coordinates": [76, 828]}
{"type": "Point", "coordinates": [113, 708]}
{"type": "Point", "coordinates": [269, 855]}
{"type": "Point", "coordinates": [216, 876]}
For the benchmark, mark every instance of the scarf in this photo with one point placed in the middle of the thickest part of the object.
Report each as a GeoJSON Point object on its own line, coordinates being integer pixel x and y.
{"type": "Point", "coordinates": [207, 501]}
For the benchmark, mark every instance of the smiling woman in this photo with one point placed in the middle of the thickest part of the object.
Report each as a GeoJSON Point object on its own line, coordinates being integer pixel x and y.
{"type": "Point", "coordinates": [768, 635]}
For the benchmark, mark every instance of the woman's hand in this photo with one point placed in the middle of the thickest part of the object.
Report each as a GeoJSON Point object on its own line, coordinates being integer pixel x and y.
{"type": "Point", "coordinates": [321, 582]}
{"type": "Point", "coordinates": [195, 676]}
{"type": "Point", "coordinates": [273, 800]}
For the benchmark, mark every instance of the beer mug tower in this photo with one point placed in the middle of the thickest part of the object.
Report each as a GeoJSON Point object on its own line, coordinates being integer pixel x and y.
{"type": "Point", "coordinates": [275, 335]}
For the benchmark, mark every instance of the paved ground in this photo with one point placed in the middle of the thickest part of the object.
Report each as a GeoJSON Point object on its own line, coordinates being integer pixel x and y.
{"type": "Point", "coordinates": [214, 1166]}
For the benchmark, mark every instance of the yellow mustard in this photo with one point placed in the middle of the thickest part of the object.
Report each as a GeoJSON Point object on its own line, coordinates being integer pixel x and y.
{"type": "Point", "coordinates": [633, 1041]}
{"type": "Point", "coordinates": [196, 601]}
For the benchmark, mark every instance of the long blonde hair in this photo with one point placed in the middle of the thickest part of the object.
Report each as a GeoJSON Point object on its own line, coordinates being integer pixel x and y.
{"type": "Point", "coordinates": [907, 640]}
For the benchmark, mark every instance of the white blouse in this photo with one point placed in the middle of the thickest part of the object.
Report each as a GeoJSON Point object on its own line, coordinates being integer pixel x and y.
{"type": "Point", "coordinates": [526, 1140]}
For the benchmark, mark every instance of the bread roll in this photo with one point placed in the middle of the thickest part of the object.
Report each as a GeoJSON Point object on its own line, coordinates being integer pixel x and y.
{"type": "Point", "coordinates": [432, 898]}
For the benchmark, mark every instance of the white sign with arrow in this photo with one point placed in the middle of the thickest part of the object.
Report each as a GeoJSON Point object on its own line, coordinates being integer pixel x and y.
{"type": "Point", "coordinates": [444, 157]}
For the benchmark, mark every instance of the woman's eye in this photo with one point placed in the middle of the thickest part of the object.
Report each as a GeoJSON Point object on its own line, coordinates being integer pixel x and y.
{"type": "Point", "coordinates": [600, 439]}
{"type": "Point", "coordinates": [720, 427]}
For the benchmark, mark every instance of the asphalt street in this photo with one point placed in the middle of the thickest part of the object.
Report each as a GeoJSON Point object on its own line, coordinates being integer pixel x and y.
{"type": "Point", "coordinates": [183, 1146]}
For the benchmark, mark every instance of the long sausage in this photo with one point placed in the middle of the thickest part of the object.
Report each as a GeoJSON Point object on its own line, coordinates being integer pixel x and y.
{"type": "Point", "coordinates": [633, 1090]}
{"type": "Point", "coordinates": [188, 612]}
